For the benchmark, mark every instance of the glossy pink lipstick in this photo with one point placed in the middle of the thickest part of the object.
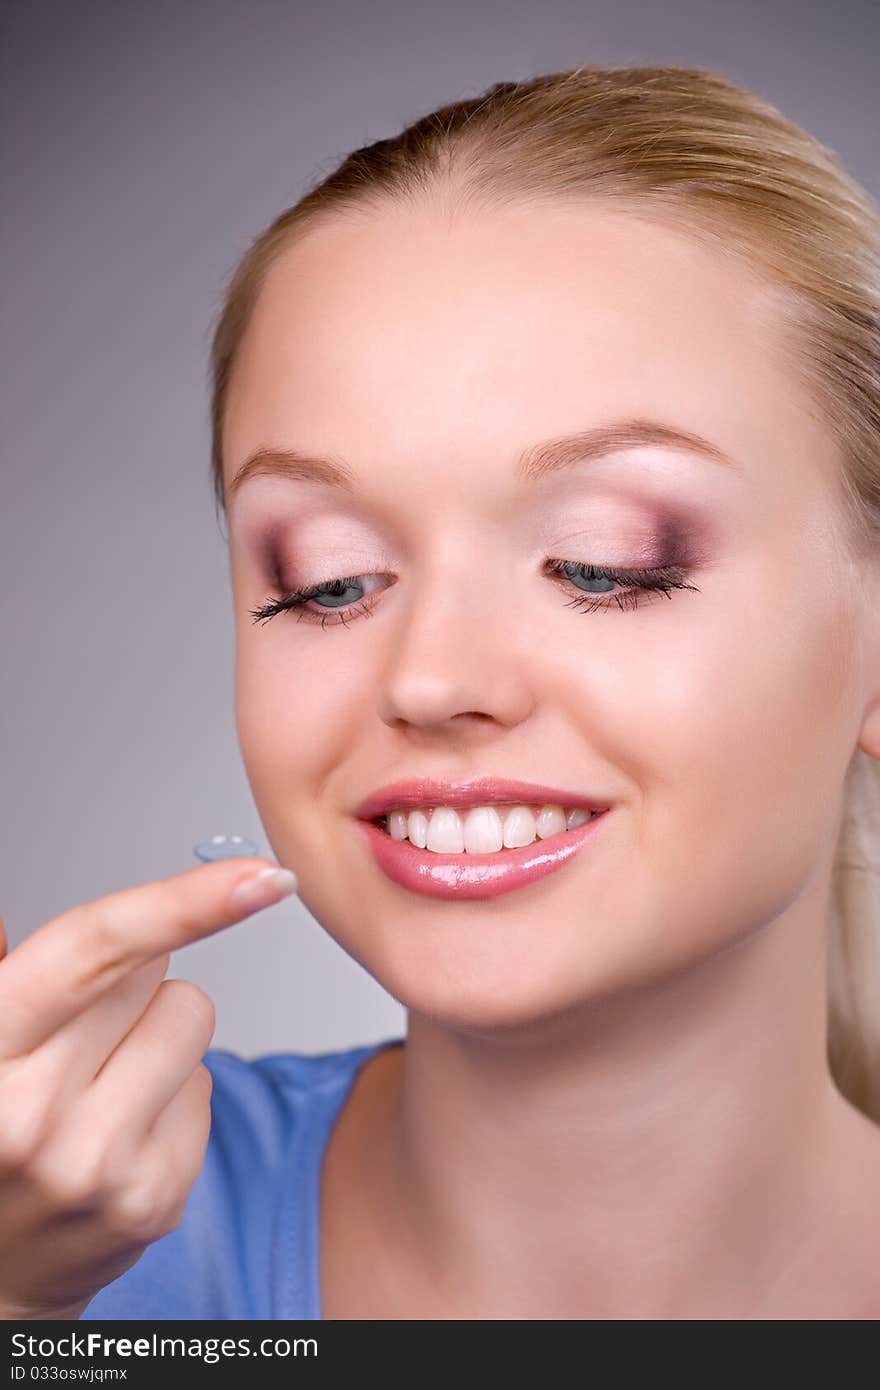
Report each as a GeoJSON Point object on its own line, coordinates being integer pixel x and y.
{"type": "Point", "coordinates": [475, 875]}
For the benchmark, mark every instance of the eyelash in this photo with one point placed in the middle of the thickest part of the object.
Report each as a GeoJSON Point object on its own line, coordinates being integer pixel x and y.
{"type": "Point", "coordinates": [660, 580]}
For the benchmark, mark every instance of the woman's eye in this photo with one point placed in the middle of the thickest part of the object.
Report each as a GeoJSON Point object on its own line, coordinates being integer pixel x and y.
{"type": "Point", "coordinates": [602, 587]}
{"type": "Point", "coordinates": [593, 587]}
{"type": "Point", "coordinates": [339, 594]}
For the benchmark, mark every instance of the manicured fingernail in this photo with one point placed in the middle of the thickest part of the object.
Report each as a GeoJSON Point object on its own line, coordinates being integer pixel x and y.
{"type": "Point", "coordinates": [263, 888]}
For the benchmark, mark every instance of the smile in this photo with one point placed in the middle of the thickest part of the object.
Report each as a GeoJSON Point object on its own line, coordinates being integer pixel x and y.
{"type": "Point", "coordinates": [469, 874]}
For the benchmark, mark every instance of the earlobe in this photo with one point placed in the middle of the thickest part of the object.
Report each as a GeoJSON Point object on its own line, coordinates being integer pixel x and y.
{"type": "Point", "coordinates": [869, 738]}
{"type": "Point", "coordinates": [869, 735]}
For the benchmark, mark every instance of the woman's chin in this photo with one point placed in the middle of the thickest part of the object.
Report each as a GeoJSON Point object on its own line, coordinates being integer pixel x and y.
{"type": "Point", "coordinates": [477, 999]}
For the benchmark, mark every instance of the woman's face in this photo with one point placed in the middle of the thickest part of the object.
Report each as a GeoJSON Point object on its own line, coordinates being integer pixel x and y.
{"type": "Point", "coordinates": [428, 354]}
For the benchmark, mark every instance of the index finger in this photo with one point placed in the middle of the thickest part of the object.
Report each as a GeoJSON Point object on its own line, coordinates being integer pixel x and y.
{"type": "Point", "coordinates": [70, 961]}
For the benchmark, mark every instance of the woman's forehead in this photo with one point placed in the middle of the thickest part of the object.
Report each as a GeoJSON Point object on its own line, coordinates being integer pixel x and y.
{"type": "Point", "coordinates": [506, 287]}
{"type": "Point", "coordinates": [435, 334]}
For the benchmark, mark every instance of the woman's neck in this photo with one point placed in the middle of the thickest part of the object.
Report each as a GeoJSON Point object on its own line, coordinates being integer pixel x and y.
{"type": "Point", "coordinates": [678, 1153]}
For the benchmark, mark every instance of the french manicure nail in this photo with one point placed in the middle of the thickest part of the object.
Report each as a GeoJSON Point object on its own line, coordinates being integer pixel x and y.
{"type": "Point", "coordinates": [267, 886]}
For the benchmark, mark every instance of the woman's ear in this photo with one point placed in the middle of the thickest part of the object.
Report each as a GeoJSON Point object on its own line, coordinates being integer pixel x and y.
{"type": "Point", "coordinates": [869, 738]}
{"type": "Point", "coordinates": [869, 734]}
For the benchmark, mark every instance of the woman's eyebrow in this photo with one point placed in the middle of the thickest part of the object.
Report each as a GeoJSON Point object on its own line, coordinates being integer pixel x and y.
{"type": "Point", "coordinates": [535, 463]}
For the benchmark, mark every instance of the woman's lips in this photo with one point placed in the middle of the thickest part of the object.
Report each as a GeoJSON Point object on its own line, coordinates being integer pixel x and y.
{"type": "Point", "coordinates": [474, 875]}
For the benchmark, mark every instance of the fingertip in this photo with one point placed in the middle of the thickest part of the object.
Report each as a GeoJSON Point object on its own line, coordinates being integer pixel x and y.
{"type": "Point", "coordinates": [266, 886]}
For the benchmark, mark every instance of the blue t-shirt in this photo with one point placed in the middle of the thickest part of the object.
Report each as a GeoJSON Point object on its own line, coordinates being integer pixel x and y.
{"type": "Point", "coordinates": [247, 1246]}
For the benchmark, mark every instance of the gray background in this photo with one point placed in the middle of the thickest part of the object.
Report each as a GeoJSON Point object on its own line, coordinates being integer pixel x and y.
{"type": "Point", "coordinates": [143, 146]}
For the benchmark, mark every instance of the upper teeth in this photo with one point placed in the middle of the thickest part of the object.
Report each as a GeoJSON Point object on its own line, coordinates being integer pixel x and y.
{"type": "Point", "coordinates": [481, 830]}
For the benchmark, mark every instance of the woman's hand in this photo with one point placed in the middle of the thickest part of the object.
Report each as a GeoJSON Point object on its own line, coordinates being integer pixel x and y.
{"type": "Point", "coordinates": [105, 1104]}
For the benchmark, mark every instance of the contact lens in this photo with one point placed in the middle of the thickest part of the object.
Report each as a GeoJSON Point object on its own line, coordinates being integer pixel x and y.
{"type": "Point", "coordinates": [224, 847]}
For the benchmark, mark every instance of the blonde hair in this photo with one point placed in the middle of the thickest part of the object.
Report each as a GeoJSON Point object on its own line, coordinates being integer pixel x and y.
{"type": "Point", "coordinates": [728, 168]}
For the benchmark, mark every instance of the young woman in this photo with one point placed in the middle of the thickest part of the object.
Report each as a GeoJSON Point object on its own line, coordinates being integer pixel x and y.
{"type": "Point", "coordinates": [547, 435]}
